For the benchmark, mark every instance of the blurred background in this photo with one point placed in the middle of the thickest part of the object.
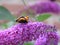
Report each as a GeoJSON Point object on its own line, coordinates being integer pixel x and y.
{"type": "Point", "coordinates": [18, 8]}
{"type": "Point", "coordinates": [15, 6]}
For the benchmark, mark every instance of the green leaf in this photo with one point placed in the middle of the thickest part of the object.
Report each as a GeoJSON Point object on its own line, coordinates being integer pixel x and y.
{"type": "Point", "coordinates": [5, 14]}
{"type": "Point", "coordinates": [7, 25]}
{"type": "Point", "coordinates": [4, 26]}
{"type": "Point", "coordinates": [43, 17]}
{"type": "Point", "coordinates": [28, 43]}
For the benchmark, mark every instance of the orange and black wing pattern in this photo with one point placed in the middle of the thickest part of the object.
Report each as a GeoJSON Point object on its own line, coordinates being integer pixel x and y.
{"type": "Point", "coordinates": [22, 19]}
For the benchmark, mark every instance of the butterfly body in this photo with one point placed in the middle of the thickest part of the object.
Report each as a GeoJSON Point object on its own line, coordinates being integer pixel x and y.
{"type": "Point", "coordinates": [22, 19]}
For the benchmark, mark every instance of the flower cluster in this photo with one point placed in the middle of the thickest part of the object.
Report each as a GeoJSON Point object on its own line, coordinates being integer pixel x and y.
{"type": "Point", "coordinates": [21, 33]}
{"type": "Point", "coordinates": [49, 39]}
{"type": "Point", "coordinates": [41, 40]}
{"type": "Point", "coordinates": [46, 7]}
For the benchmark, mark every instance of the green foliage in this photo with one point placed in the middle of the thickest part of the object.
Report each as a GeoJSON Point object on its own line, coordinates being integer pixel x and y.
{"type": "Point", "coordinates": [7, 25]}
{"type": "Point", "coordinates": [11, 23]}
{"type": "Point", "coordinates": [43, 17]}
{"type": "Point", "coordinates": [28, 43]}
{"type": "Point", "coordinates": [4, 26]}
{"type": "Point", "coordinates": [5, 14]}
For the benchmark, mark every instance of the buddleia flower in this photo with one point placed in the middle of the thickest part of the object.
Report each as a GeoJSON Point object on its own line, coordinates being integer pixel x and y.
{"type": "Point", "coordinates": [20, 33]}
{"type": "Point", "coordinates": [50, 39]}
{"type": "Point", "coordinates": [45, 7]}
{"type": "Point", "coordinates": [41, 40]}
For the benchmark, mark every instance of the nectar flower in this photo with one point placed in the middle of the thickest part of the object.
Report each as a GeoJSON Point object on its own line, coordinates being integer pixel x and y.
{"type": "Point", "coordinates": [46, 7]}
{"type": "Point", "coordinates": [20, 33]}
{"type": "Point", "coordinates": [41, 40]}
{"type": "Point", "coordinates": [50, 39]}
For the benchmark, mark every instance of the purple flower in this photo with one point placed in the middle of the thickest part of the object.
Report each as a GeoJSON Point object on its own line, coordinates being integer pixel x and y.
{"type": "Point", "coordinates": [21, 33]}
{"type": "Point", "coordinates": [45, 7]}
{"type": "Point", "coordinates": [52, 39]}
{"type": "Point", "coordinates": [49, 39]}
{"type": "Point", "coordinates": [41, 40]}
